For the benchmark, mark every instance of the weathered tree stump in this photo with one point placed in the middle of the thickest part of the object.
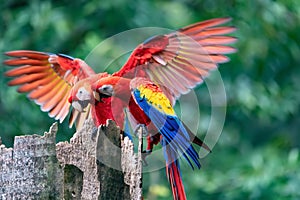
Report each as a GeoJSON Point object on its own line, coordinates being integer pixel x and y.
{"type": "Point", "coordinates": [31, 170]}
{"type": "Point", "coordinates": [96, 164]}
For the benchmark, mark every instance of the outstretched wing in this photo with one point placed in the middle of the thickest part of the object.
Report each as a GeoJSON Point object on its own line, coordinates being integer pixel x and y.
{"type": "Point", "coordinates": [159, 109]}
{"type": "Point", "coordinates": [180, 60]}
{"type": "Point", "coordinates": [48, 78]}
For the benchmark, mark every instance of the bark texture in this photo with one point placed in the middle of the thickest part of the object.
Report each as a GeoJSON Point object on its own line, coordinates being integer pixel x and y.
{"type": "Point", "coordinates": [30, 170]}
{"type": "Point", "coordinates": [95, 164]}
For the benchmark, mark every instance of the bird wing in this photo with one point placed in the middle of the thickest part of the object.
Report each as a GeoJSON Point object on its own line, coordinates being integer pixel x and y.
{"type": "Point", "coordinates": [179, 61]}
{"type": "Point", "coordinates": [48, 78]}
{"type": "Point", "coordinates": [158, 108]}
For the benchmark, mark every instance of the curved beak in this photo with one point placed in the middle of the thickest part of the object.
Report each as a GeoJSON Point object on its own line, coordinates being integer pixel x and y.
{"type": "Point", "coordinates": [80, 105]}
{"type": "Point", "coordinates": [97, 96]}
{"type": "Point", "coordinates": [105, 91]}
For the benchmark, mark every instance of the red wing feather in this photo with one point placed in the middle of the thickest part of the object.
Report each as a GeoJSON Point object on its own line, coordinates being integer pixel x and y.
{"type": "Point", "coordinates": [48, 78]}
{"type": "Point", "coordinates": [179, 61]}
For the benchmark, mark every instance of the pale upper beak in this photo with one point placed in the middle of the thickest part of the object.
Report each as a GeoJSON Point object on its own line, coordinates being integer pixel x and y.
{"type": "Point", "coordinates": [76, 105]}
{"type": "Point", "coordinates": [80, 105]}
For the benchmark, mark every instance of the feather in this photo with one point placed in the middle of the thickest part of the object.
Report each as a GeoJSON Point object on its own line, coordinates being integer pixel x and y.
{"type": "Point", "coordinates": [199, 47]}
{"type": "Point", "coordinates": [174, 176]}
{"type": "Point", "coordinates": [214, 31]}
{"type": "Point", "coordinates": [26, 69]}
{"type": "Point", "coordinates": [27, 78]}
{"type": "Point", "coordinates": [54, 99]}
{"type": "Point", "coordinates": [64, 111]}
{"type": "Point", "coordinates": [198, 27]}
{"type": "Point", "coordinates": [25, 61]}
{"type": "Point", "coordinates": [55, 110]}
{"type": "Point", "coordinates": [41, 91]}
{"type": "Point", "coordinates": [219, 49]}
{"type": "Point", "coordinates": [29, 54]}
{"type": "Point", "coordinates": [217, 40]}
{"type": "Point", "coordinates": [35, 84]}
{"type": "Point", "coordinates": [48, 77]}
{"type": "Point", "coordinates": [170, 127]}
{"type": "Point", "coordinates": [50, 96]}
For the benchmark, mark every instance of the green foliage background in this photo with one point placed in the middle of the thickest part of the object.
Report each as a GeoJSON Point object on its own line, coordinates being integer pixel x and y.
{"type": "Point", "coordinates": [257, 155]}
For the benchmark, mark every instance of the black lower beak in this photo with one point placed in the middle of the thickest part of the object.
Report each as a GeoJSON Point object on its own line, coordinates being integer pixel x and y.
{"type": "Point", "coordinates": [102, 96]}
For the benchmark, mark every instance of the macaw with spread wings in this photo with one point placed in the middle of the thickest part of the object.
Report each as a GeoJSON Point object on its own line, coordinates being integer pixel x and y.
{"type": "Point", "coordinates": [177, 62]}
{"type": "Point", "coordinates": [168, 66]}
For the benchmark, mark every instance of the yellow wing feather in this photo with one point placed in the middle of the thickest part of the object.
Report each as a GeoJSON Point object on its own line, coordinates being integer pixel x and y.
{"type": "Point", "coordinates": [157, 99]}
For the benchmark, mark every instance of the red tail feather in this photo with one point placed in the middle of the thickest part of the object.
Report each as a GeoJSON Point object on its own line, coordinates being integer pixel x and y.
{"type": "Point", "coordinates": [173, 173]}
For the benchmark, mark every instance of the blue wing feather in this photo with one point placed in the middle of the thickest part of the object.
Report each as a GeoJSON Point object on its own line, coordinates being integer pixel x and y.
{"type": "Point", "coordinates": [173, 132]}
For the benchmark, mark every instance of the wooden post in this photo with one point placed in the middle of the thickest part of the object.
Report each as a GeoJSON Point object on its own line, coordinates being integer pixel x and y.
{"type": "Point", "coordinates": [81, 153]}
{"type": "Point", "coordinates": [96, 164]}
{"type": "Point", "coordinates": [31, 170]}
{"type": "Point", "coordinates": [110, 175]}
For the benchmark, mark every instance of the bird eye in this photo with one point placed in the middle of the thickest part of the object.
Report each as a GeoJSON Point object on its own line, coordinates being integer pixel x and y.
{"type": "Point", "coordinates": [106, 89]}
{"type": "Point", "coordinates": [82, 94]}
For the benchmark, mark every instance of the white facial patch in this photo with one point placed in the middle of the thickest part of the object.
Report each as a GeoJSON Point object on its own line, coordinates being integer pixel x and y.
{"type": "Point", "coordinates": [83, 94]}
{"type": "Point", "coordinates": [107, 90]}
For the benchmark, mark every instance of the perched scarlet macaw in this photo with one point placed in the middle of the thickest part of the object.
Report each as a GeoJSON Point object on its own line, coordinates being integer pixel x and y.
{"type": "Point", "coordinates": [177, 62]}
{"type": "Point", "coordinates": [143, 94]}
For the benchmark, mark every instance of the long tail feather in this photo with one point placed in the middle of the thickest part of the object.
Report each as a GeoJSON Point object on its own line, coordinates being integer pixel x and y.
{"type": "Point", "coordinates": [174, 176]}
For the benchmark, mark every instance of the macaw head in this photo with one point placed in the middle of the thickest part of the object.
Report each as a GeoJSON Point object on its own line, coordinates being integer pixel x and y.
{"type": "Point", "coordinates": [111, 86]}
{"type": "Point", "coordinates": [81, 95]}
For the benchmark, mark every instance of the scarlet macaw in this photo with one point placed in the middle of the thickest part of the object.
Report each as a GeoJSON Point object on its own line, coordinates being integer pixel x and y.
{"type": "Point", "coordinates": [177, 62]}
{"type": "Point", "coordinates": [152, 102]}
